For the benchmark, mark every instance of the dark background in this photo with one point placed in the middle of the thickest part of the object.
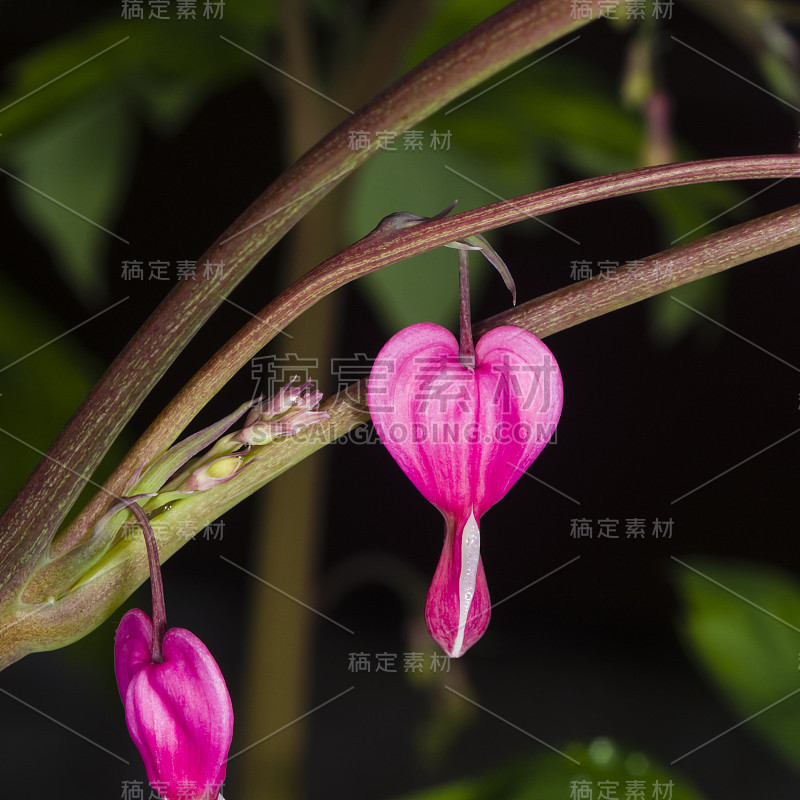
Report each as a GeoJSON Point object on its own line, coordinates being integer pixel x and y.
{"type": "Point", "coordinates": [592, 650]}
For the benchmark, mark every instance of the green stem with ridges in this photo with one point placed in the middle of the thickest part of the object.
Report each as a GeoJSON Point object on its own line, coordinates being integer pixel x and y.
{"type": "Point", "coordinates": [28, 525]}
{"type": "Point", "coordinates": [383, 247]}
{"type": "Point", "coordinates": [55, 622]}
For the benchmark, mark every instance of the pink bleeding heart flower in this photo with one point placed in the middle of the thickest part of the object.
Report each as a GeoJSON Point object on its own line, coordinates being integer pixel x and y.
{"type": "Point", "coordinates": [463, 436]}
{"type": "Point", "coordinates": [178, 710]}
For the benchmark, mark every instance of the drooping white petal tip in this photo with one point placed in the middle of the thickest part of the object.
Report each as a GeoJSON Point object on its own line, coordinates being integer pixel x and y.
{"type": "Point", "coordinates": [470, 555]}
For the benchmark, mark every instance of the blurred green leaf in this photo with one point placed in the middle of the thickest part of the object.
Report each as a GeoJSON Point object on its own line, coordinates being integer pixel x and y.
{"type": "Point", "coordinates": [163, 67]}
{"type": "Point", "coordinates": [51, 79]}
{"type": "Point", "coordinates": [758, 28]}
{"type": "Point", "coordinates": [603, 764]}
{"type": "Point", "coordinates": [688, 212]}
{"type": "Point", "coordinates": [446, 21]}
{"type": "Point", "coordinates": [685, 214]}
{"type": "Point", "coordinates": [71, 119]}
{"type": "Point", "coordinates": [80, 160]}
{"type": "Point", "coordinates": [670, 320]}
{"type": "Point", "coordinates": [750, 653]}
{"type": "Point", "coordinates": [37, 394]}
{"type": "Point", "coordinates": [174, 66]}
{"type": "Point", "coordinates": [576, 114]}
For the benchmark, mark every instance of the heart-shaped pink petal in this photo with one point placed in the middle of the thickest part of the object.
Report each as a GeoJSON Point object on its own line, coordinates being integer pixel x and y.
{"type": "Point", "coordinates": [463, 436]}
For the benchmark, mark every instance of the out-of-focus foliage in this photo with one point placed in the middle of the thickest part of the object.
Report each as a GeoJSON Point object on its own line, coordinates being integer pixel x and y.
{"type": "Point", "coordinates": [40, 392]}
{"type": "Point", "coordinates": [556, 114]}
{"type": "Point", "coordinates": [72, 113]}
{"type": "Point", "coordinates": [758, 27]}
{"type": "Point", "coordinates": [605, 769]}
{"type": "Point", "coordinates": [97, 135]}
{"type": "Point", "coordinates": [742, 624]}
{"type": "Point", "coordinates": [509, 141]}
{"type": "Point", "coordinates": [74, 109]}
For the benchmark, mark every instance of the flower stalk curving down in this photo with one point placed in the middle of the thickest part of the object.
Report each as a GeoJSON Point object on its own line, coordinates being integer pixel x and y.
{"type": "Point", "coordinates": [177, 705]}
{"type": "Point", "coordinates": [463, 423]}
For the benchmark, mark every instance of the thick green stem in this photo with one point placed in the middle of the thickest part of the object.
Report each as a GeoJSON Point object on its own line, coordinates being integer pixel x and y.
{"type": "Point", "coordinates": [55, 622]}
{"type": "Point", "coordinates": [383, 247]}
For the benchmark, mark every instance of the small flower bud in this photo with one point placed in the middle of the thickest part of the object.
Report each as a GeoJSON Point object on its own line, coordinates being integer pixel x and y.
{"type": "Point", "coordinates": [286, 414]}
{"type": "Point", "coordinates": [220, 470]}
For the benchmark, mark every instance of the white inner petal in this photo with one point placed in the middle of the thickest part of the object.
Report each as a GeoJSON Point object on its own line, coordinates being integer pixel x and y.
{"type": "Point", "coordinates": [470, 555]}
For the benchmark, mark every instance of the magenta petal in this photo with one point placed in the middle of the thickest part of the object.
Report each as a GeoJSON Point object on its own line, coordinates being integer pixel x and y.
{"type": "Point", "coordinates": [458, 608]}
{"type": "Point", "coordinates": [423, 403]}
{"type": "Point", "coordinates": [521, 395]}
{"type": "Point", "coordinates": [133, 647]}
{"type": "Point", "coordinates": [178, 712]}
{"type": "Point", "coordinates": [464, 436]}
